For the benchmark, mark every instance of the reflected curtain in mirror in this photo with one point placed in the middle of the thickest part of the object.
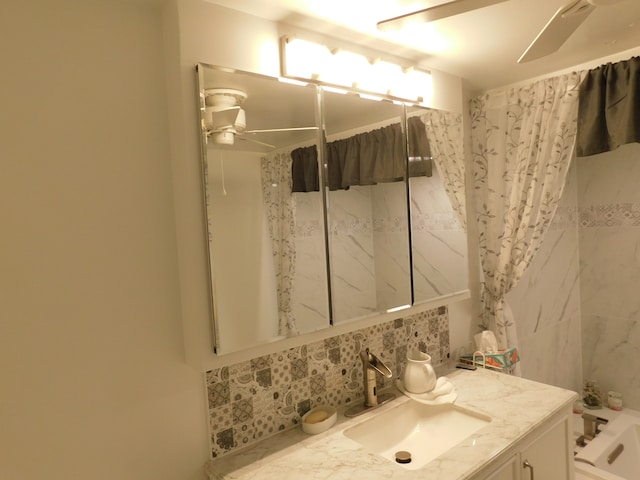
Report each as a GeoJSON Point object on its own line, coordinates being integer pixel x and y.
{"type": "Point", "coordinates": [280, 213]}
{"type": "Point", "coordinates": [438, 238]}
{"type": "Point", "coordinates": [364, 159]}
{"type": "Point", "coordinates": [445, 134]}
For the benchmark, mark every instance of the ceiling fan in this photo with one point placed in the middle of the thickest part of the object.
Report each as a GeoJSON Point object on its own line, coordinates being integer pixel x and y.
{"type": "Point", "coordinates": [437, 12]}
{"type": "Point", "coordinates": [565, 21]}
{"type": "Point", "coordinates": [226, 119]}
{"type": "Point", "coordinates": [561, 26]}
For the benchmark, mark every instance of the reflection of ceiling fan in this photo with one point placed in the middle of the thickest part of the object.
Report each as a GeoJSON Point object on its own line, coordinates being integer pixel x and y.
{"type": "Point", "coordinates": [565, 21]}
{"type": "Point", "coordinates": [226, 120]}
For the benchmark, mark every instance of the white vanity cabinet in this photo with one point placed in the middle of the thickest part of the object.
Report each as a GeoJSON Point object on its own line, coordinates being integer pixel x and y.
{"type": "Point", "coordinates": [543, 454]}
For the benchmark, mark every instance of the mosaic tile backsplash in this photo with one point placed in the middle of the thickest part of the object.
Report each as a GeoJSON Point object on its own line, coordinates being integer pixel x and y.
{"type": "Point", "coordinates": [252, 400]}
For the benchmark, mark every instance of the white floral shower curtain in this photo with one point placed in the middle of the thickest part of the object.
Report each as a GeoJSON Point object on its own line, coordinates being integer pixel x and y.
{"type": "Point", "coordinates": [445, 134]}
{"type": "Point", "coordinates": [522, 144]}
{"type": "Point", "coordinates": [280, 210]}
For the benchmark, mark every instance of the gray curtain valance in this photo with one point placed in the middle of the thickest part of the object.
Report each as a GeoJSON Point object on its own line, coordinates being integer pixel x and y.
{"type": "Point", "coordinates": [304, 169]}
{"type": "Point", "coordinates": [609, 108]}
{"type": "Point", "coordinates": [363, 159]}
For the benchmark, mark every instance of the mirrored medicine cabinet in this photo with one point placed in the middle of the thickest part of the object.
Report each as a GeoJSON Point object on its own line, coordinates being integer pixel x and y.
{"type": "Point", "coordinates": [321, 208]}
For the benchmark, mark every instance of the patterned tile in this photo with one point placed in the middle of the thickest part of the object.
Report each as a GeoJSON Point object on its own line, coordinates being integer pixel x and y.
{"type": "Point", "coordinates": [243, 434]}
{"type": "Point", "coordinates": [220, 418]}
{"type": "Point", "coordinates": [299, 368]}
{"type": "Point", "coordinates": [223, 440]}
{"type": "Point", "coordinates": [334, 355]}
{"type": "Point", "coordinates": [253, 400]}
{"type": "Point", "coordinates": [263, 377]}
{"type": "Point", "coordinates": [261, 363]}
{"type": "Point", "coordinates": [281, 371]}
{"type": "Point", "coordinates": [333, 342]}
{"type": "Point", "coordinates": [217, 375]}
{"type": "Point", "coordinates": [242, 411]}
{"type": "Point", "coordinates": [219, 394]}
{"type": "Point", "coordinates": [610, 215]}
{"type": "Point", "coordinates": [317, 384]}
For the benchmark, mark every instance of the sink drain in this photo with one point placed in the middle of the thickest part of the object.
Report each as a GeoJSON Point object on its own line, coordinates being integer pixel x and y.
{"type": "Point", "coordinates": [403, 457]}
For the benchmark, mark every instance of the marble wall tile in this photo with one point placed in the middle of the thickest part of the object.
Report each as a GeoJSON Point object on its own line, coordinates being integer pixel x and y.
{"type": "Point", "coordinates": [611, 355]}
{"type": "Point", "coordinates": [391, 245]}
{"type": "Point", "coordinates": [310, 304]}
{"type": "Point", "coordinates": [352, 253]}
{"type": "Point", "coordinates": [609, 270]}
{"type": "Point", "coordinates": [439, 262]}
{"type": "Point", "coordinates": [392, 275]}
{"type": "Point", "coordinates": [255, 399]}
{"type": "Point", "coordinates": [549, 291]}
{"type": "Point", "coordinates": [610, 178]}
{"type": "Point", "coordinates": [553, 355]}
{"type": "Point", "coordinates": [546, 301]}
{"type": "Point", "coordinates": [438, 240]}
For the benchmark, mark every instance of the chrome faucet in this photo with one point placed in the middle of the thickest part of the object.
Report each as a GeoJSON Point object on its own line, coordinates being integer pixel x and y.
{"type": "Point", "coordinates": [370, 365]}
{"type": "Point", "coordinates": [591, 424]}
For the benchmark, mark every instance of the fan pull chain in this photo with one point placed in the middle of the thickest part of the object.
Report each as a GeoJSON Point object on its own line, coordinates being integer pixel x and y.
{"type": "Point", "coordinates": [224, 190]}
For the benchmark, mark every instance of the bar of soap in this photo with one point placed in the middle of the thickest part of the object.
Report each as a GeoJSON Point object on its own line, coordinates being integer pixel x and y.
{"type": "Point", "coordinates": [318, 416]}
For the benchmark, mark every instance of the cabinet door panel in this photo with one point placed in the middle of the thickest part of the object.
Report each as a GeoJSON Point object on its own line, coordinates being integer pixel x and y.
{"type": "Point", "coordinates": [548, 455]}
{"type": "Point", "coordinates": [508, 471]}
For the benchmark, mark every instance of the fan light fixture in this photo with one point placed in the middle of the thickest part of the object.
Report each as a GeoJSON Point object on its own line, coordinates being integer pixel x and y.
{"type": "Point", "coordinates": [304, 60]}
{"type": "Point", "coordinates": [224, 114]}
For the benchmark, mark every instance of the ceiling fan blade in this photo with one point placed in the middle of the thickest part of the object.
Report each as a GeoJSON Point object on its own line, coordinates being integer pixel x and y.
{"type": "Point", "coordinates": [292, 129]}
{"type": "Point", "coordinates": [437, 12]}
{"type": "Point", "coordinates": [561, 26]}
{"type": "Point", "coordinates": [251, 140]}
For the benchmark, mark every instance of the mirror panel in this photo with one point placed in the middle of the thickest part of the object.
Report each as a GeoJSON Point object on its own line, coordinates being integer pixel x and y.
{"type": "Point", "coordinates": [438, 238]}
{"type": "Point", "coordinates": [266, 218]}
{"type": "Point", "coordinates": [367, 206]}
{"type": "Point", "coordinates": [266, 244]}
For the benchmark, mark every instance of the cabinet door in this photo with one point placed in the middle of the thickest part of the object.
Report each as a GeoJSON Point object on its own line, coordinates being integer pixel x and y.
{"type": "Point", "coordinates": [507, 471]}
{"type": "Point", "coordinates": [548, 456]}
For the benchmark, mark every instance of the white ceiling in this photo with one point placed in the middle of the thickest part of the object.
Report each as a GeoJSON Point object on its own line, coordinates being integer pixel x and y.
{"type": "Point", "coordinates": [481, 46]}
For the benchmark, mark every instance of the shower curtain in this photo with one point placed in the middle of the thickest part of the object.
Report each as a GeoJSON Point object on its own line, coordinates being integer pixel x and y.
{"type": "Point", "coordinates": [280, 210]}
{"type": "Point", "coordinates": [522, 144]}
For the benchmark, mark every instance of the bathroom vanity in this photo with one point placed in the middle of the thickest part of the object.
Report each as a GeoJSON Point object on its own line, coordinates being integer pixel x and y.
{"type": "Point", "coordinates": [527, 435]}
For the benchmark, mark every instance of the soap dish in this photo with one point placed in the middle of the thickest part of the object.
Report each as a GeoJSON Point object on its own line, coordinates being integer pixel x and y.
{"type": "Point", "coordinates": [319, 419]}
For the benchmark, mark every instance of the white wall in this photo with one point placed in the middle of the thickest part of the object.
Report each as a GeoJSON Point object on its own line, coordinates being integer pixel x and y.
{"type": "Point", "coordinates": [93, 379]}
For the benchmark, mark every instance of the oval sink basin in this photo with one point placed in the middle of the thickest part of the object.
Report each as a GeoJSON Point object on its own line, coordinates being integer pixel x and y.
{"type": "Point", "coordinates": [425, 431]}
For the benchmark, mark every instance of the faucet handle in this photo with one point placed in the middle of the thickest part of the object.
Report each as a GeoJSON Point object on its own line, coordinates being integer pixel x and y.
{"type": "Point", "coordinates": [595, 419]}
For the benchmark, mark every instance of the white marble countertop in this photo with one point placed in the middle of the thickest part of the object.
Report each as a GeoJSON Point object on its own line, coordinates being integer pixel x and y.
{"type": "Point", "coordinates": [515, 405]}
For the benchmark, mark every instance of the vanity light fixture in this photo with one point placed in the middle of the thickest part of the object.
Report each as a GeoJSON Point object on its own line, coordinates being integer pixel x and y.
{"type": "Point", "coordinates": [307, 61]}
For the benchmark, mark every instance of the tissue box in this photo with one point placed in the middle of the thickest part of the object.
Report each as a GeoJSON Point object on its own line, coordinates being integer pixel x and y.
{"type": "Point", "coordinates": [502, 360]}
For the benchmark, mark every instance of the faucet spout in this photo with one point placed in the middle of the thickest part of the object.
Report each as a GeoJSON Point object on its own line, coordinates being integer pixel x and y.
{"type": "Point", "coordinates": [592, 424]}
